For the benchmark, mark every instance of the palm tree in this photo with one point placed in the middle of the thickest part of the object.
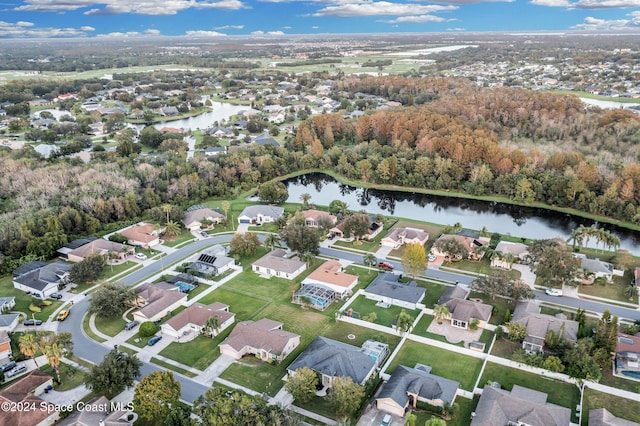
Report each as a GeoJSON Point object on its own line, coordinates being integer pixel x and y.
{"type": "Point", "coordinates": [54, 353]}
{"type": "Point", "coordinates": [29, 346]}
{"type": "Point", "coordinates": [307, 257]}
{"type": "Point", "coordinates": [369, 259]}
{"type": "Point", "coordinates": [172, 229]}
{"type": "Point", "coordinates": [441, 313]}
{"type": "Point", "coordinates": [613, 241]}
{"type": "Point", "coordinates": [305, 199]}
{"type": "Point", "coordinates": [226, 206]}
{"type": "Point", "coordinates": [211, 325]}
{"type": "Point", "coordinates": [404, 321]}
{"type": "Point", "coordinates": [167, 209]}
{"type": "Point", "coordinates": [272, 240]}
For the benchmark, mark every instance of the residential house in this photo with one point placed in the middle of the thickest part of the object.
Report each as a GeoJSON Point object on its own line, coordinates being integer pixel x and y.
{"type": "Point", "coordinates": [507, 253]}
{"type": "Point", "coordinates": [191, 321]}
{"type": "Point", "coordinates": [311, 217]}
{"type": "Point", "coordinates": [214, 150]}
{"type": "Point", "coordinates": [195, 215]}
{"type": "Point", "coordinates": [277, 264]}
{"type": "Point", "coordinates": [407, 386]}
{"type": "Point", "coordinates": [628, 356]}
{"type": "Point", "coordinates": [375, 227]}
{"type": "Point", "coordinates": [459, 291]}
{"type": "Point", "coordinates": [324, 285]}
{"type": "Point", "coordinates": [465, 312]}
{"type": "Point", "coordinates": [602, 417]}
{"type": "Point", "coordinates": [98, 412]}
{"type": "Point", "coordinates": [397, 237]}
{"type": "Point", "coordinates": [598, 268]}
{"type": "Point", "coordinates": [260, 214]}
{"type": "Point", "coordinates": [521, 406]}
{"type": "Point", "coordinates": [157, 300]}
{"type": "Point", "coordinates": [212, 261]}
{"type": "Point", "coordinates": [95, 246]}
{"type": "Point", "coordinates": [262, 141]}
{"type": "Point", "coordinates": [169, 111]}
{"type": "Point", "coordinates": [46, 150]}
{"type": "Point", "coordinates": [9, 322]}
{"type": "Point", "coordinates": [5, 347]}
{"type": "Point", "coordinates": [330, 359]}
{"type": "Point", "coordinates": [264, 338]}
{"type": "Point", "coordinates": [220, 132]}
{"type": "Point", "coordinates": [538, 326]}
{"type": "Point", "coordinates": [473, 243]}
{"type": "Point", "coordinates": [387, 288]}
{"type": "Point", "coordinates": [144, 235]}
{"type": "Point", "coordinates": [7, 303]}
{"type": "Point", "coordinates": [25, 393]}
{"type": "Point", "coordinates": [42, 280]}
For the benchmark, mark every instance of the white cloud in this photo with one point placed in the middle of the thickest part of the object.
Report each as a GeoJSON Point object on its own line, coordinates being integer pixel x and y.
{"type": "Point", "coordinates": [268, 33]}
{"type": "Point", "coordinates": [455, 29]}
{"type": "Point", "coordinates": [87, 28]}
{"type": "Point", "coordinates": [588, 4]}
{"type": "Point", "coordinates": [115, 7]}
{"type": "Point", "coordinates": [380, 8]}
{"type": "Point", "coordinates": [229, 27]}
{"type": "Point", "coordinates": [315, 27]}
{"type": "Point", "coordinates": [551, 3]}
{"type": "Point", "coordinates": [23, 29]}
{"type": "Point", "coordinates": [594, 24]}
{"type": "Point", "coordinates": [205, 34]}
{"type": "Point", "coordinates": [152, 31]}
{"type": "Point", "coordinates": [416, 19]}
{"type": "Point", "coordinates": [120, 35]}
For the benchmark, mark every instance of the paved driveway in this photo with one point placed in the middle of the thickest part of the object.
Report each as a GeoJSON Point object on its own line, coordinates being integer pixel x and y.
{"type": "Point", "coordinates": [215, 369]}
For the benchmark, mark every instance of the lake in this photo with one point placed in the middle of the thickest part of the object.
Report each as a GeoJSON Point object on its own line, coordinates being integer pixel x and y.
{"type": "Point", "coordinates": [220, 111]}
{"type": "Point", "coordinates": [505, 219]}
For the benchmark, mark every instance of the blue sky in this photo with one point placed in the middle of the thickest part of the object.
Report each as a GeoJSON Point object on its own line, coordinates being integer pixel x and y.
{"type": "Point", "coordinates": [220, 18]}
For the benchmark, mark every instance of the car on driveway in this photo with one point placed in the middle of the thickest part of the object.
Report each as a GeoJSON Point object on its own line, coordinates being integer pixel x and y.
{"type": "Point", "coordinates": [204, 234]}
{"type": "Point", "coordinates": [63, 314]}
{"type": "Point", "coordinates": [32, 322]}
{"type": "Point", "coordinates": [56, 296]}
{"type": "Point", "coordinates": [16, 370]}
{"type": "Point", "coordinates": [154, 340]}
{"type": "Point", "coordinates": [553, 292]}
{"type": "Point", "coordinates": [385, 265]}
{"type": "Point", "coordinates": [432, 257]}
{"type": "Point", "coordinates": [131, 325]}
{"type": "Point", "coordinates": [140, 256]}
{"type": "Point", "coordinates": [8, 366]}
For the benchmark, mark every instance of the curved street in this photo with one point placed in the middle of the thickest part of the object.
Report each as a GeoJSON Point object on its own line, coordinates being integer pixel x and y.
{"type": "Point", "coordinates": [90, 350]}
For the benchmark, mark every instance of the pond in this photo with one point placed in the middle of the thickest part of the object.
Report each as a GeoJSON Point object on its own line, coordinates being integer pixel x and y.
{"type": "Point", "coordinates": [220, 111]}
{"type": "Point", "coordinates": [505, 219]}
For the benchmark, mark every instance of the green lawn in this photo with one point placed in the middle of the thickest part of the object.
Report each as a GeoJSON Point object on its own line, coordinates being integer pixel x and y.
{"type": "Point", "coordinates": [172, 367]}
{"type": "Point", "coordinates": [385, 316]}
{"type": "Point", "coordinates": [243, 305]}
{"type": "Point", "coordinates": [113, 270]}
{"type": "Point", "coordinates": [500, 306]}
{"type": "Point", "coordinates": [182, 238]}
{"type": "Point", "coordinates": [613, 291]}
{"type": "Point", "coordinates": [421, 330]}
{"type": "Point", "coordinates": [462, 418]}
{"type": "Point", "coordinates": [198, 353]}
{"type": "Point", "coordinates": [70, 376]}
{"type": "Point", "coordinates": [110, 326]}
{"type": "Point", "coordinates": [23, 300]}
{"type": "Point", "coordinates": [617, 405]}
{"type": "Point", "coordinates": [618, 382]}
{"type": "Point", "coordinates": [341, 331]}
{"type": "Point", "coordinates": [87, 330]}
{"type": "Point", "coordinates": [196, 291]}
{"type": "Point", "coordinates": [464, 369]}
{"type": "Point", "coordinates": [481, 267]}
{"type": "Point", "coordinates": [560, 393]}
{"type": "Point", "coordinates": [434, 292]}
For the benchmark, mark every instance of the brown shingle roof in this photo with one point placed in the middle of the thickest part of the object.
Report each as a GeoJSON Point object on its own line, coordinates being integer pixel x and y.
{"type": "Point", "coordinates": [263, 334]}
{"type": "Point", "coordinates": [198, 314]}
{"type": "Point", "coordinates": [329, 272]}
{"type": "Point", "coordinates": [20, 392]}
{"type": "Point", "coordinates": [158, 297]}
{"type": "Point", "coordinates": [140, 233]}
{"type": "Point", "coordinates": [277, 261]}
{"type": "Point", "coordinates": [98, 246]}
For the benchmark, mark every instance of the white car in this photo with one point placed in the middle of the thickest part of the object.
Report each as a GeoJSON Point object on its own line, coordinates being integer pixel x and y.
{"type": "Point", "coordinates": [141, 256]}
{"type": "Point", "coordinates": [432, 257]}
{"type": "Point", "coordinates": [553, 292]}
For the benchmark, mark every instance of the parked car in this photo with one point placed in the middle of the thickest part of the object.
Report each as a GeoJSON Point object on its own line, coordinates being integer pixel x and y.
{"type": "Point", "coordinates": [386, 420]}
{"type": "Point", "coordinates": [16, 370]}
{"type": "Point", "coordinates": [56, 296]}
{"type": "Point", "coordinates": [432, 257]}
{"type": "Point", "coordinates": [8, 366]}
{"type": "Point", "coordinates": [32, 322]}
{"type": "Point", "coordinates": [131, 325]}
{"type": "Point", "coordinates": [204, 234]}
{"type": "Point", "coordinates": [63, 314]}
{"type": "Point", "coordinates": [154, 340]}
{"type": "Point", "coordinates": [385, 265]}
{"type": "Point", "coordinates": [141, 256]}
{"type": "Point", "coordinates": [553, 292]}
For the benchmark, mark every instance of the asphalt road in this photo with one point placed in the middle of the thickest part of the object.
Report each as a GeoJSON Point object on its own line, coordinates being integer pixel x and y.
{"type": "Point", "coordinates": [88, 349]}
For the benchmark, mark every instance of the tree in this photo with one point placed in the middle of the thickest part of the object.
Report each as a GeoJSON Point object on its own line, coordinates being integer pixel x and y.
{"type": "Point", "coordinates": [553, 263]}
{"type": "Point", "coordinates": [337, 206]}
{"type": "Point", "coordinates": [111, 300]}
{"type": "Point", "coordinates": [452, 248]}
{"type": "Point", "coordinates": [345, 396]}
{"type": "Point", "coordinates": [499, 284]}
{"type": "Point", "coordinates": [226, 206]}
{"type": "Point", "coordinates": [435, 421]}
{"type": "Point", "coordinates": [517, 331]}
{"type": "Point", "coordinates": [54, 353]}
{"type": "Point", "coordinates": [88, 270]}
{"type": "Point", "coordinates": [606, 332]}
{"type": "Point", "coordinates": [271, 240]}
{"type": "Point", "coordinates": [211, 326]}
{"type": "Point", "coordinates": [305, 199]}
{"type": "Point", "coordinates": [307, 257]}
{"type": "Point", "coordinates": [553, 363]}
{"type": "Point", "coordinates": [302, 384]}
{"type": "Point", "coordinates": [29, 346]}
{"type": "Point", "coordinates": [117, 371]}
{"type": "Point", "coordinates": [414, 259]}
{"type": "Point", "coordinates": [369, 259]}
{"type": "Point", "coordinates": [151, 137]}
{"type": "Point", "coordinates": [357, 225]}
{"type": "Point", "coordinates": [441, 313]}
{"type": "Point", "coordinates": [172, 229]}
{"type": "Point", "coordinates": [154, 396]}
{"type": "Point", "coordinates": [147, 329]}
{"type": "Point", "coordinates": [274, 192]}
{"type": "Point", "coordinates": [244, 244]}
{"type": "Point", "coordinates": [410, 419]}
{"type": "Point", "coordinates": [301, 238]}
{"type": "Point", "coordinates": [404, 321]}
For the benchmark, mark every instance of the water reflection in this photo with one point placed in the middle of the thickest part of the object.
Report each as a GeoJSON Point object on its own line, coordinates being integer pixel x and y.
{"type": "Point", "coordinates": [496, 217]}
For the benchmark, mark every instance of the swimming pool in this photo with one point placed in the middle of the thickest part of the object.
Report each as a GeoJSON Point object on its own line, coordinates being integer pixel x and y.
{"type": "Point", "coordinates": [184, 287]}
{"type": "Point", "coordinates": [631, 373]}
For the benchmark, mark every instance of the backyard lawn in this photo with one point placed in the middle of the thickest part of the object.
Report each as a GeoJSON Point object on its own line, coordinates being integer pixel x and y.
{"type": "Point", "coordinates": [500, 306]}
{"type": "Point", "coordinates": [385, 316]}
{"type": "Point", "coordinates": [462, 418]}
{"type": "Point", "coordinates": [198, 353]}
{"type": "Point", "coordinates": [240, 303]}
{"type": "Point", "coordinates": [617, 405]}
{"type": "Point", "coordinates": [341, 331]}
{"type": "Point", "coordinates": [560, 393]}
{"type": "Point", "coordinates": [462, 368]}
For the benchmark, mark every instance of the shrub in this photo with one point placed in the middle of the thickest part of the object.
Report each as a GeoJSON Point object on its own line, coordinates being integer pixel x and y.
{"type": "Point", "coordinates": [473, 325]}
{"type": "Point", "coordinates": [148, 329]}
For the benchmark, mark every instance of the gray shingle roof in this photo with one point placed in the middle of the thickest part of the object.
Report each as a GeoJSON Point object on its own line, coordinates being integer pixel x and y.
{"type": "Point", "coordinates": [387, 285]}
{"type": "Point", "coordinates": [528, 314]}
{"type": "Point", "coordinates": [264, 210]}
{"type": "Point", "coordinates": [38, 279]}
{"type": "Point", "coordinates": [420, 382]}
{"type": "Point", "coordinates": [335, 359]}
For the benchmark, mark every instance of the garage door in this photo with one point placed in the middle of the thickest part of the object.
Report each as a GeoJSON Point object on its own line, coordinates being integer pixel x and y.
{"type": "Point", "coordinates": [245, 220]}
